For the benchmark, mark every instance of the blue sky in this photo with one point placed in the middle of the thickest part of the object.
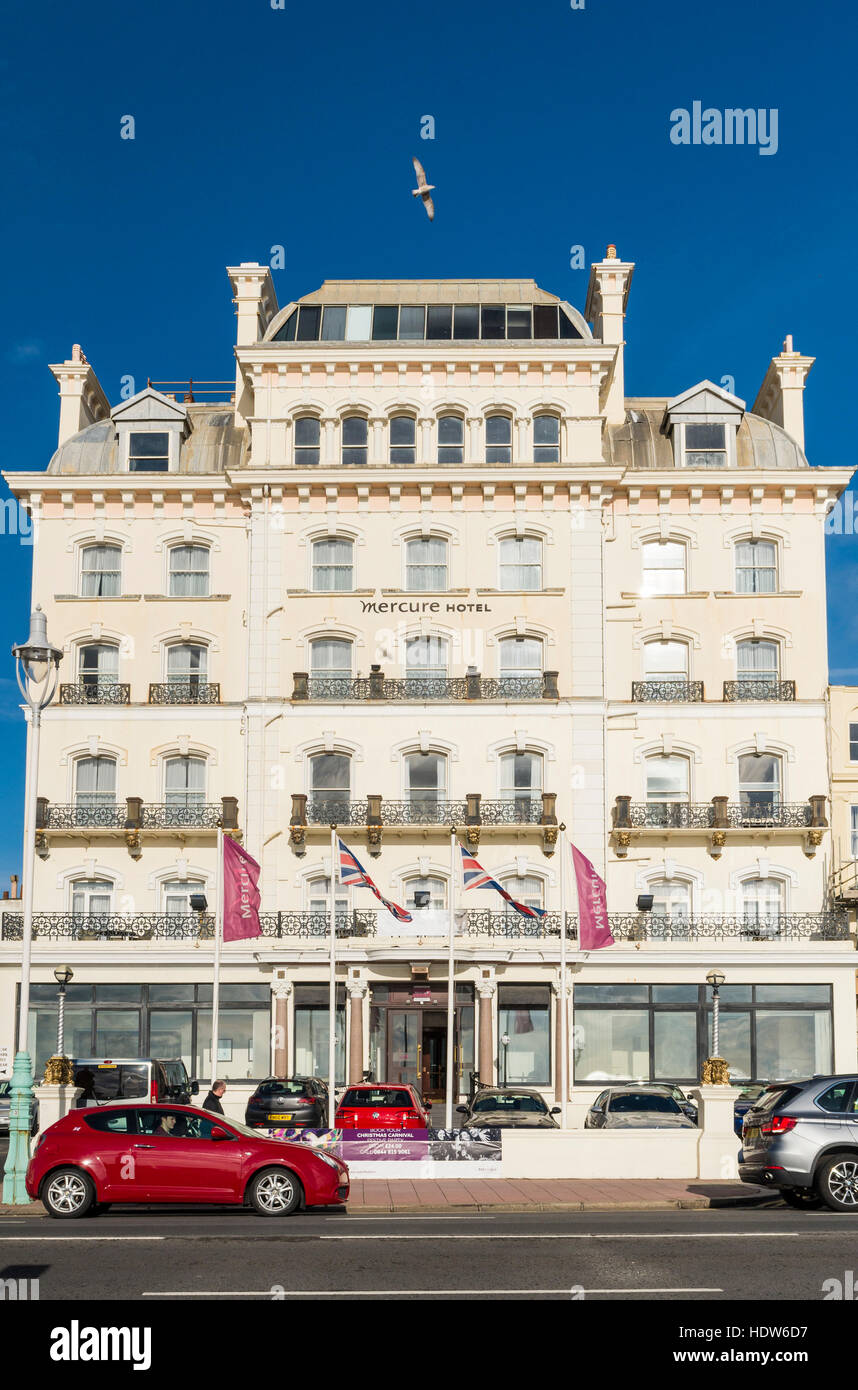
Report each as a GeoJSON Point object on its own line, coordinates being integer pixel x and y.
{"type": "Point", "coordinates": [258, 127]}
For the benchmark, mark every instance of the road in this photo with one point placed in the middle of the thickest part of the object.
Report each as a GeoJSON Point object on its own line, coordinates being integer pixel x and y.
{"type": "Point", "coordinates": [187, 1255]}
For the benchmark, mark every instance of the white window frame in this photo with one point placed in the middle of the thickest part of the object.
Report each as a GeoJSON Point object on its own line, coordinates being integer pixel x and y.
{"type": "Point", "coordinates": [502, 565]}
{"type": "Point", "coordinates": [99, 545]}
{"type": "Point", "coordinates": [408, 541]}
{"type": "Point", "coordinates": [648, 592]}
{"type": "Point", "coordinates": [172, 548]}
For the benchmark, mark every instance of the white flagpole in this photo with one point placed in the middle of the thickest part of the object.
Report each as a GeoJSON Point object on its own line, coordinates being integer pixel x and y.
{"type": "Point", "coordinates": [217, 946]}
{"type": "Point", "coordinates": [332, 997]}
{"type": "Point", "coordinates": [564, 1008]}
{"type": "Point", "coordinates": [451, 987]}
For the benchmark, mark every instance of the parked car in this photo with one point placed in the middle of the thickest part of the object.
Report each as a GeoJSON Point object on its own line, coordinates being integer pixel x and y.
{"type": "Point", "coordinates": [670, 1088]}
{"type": "Point", "coordinates": [746, 1098]}
{"type": "Point", "coordinates": [636, 1107]}
{"type": "Point", "coordinates": [107, 1079]}
{"type": "Point", "coordinates": [382, 1107]}
{"type": "Point", "coordinates": [507, 1107]}
{"type": "Point", "coordinates": [6, 1105]}
{"type": "Point", "coordinates": [801, 1137]}
{"type": "Point", "coordinates": [181, 1154]}
{"type": "Point", "coordinates": [299, 1101]}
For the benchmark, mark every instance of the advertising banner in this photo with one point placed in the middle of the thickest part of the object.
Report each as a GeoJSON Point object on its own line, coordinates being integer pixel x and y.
{"type": "Point", "coordinates": [428, 1153]}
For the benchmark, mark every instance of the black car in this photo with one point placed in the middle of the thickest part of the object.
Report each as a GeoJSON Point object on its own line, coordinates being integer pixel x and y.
{"type": "Point", "coordinates": [293, 1102]}
{"type": "Point", "coordinates": [507, 1107]}
{"type": "Point", "coordinates": [105, 1079]}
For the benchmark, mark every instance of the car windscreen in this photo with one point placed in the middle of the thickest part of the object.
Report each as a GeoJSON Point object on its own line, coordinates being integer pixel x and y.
{"type": "Point", "coordinates": [284, 1088]}
{"type": "Point", "coordinates": [778, 1095]}
{"type": "Point", "coordinates": [639, 1103]}
{"type": "Point", "coordinates": [512, 1105]}
{"type": "Point", "coordinates": [362, 1097]}
{"type": "Point", "coordinates": [128, 1081]}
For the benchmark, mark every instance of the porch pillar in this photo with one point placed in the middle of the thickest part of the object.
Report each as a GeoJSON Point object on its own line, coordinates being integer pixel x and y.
{"type": "Point", "coordinates": [486, 990]}
{"type": "Point", "coordinates": [281, 990]}
{"type": "Point", "coordinates": [357, 993]}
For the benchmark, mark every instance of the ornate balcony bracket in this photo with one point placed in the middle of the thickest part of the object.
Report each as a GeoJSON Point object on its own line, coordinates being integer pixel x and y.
{"type": "Point", "coordinates": [548, 821]}
{"type": "Point", "coordinates": [374, 829]}
{"type": "Point", "coordinates": [298, 824]}
{"type": "Point", "coordinates": [42, 848]}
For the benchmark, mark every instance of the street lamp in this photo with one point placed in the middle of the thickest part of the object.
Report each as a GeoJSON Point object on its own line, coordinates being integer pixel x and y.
{"type": "Point", "coordinates": [715, 1071]}
{"type": "Point", "coordinates": [63, 976]}
{"type": "Point", "coordinates": [37, 670]}
{"type": "Point", "coordinates": [505, 1045]}
{"type": "Point", "coordinates": [198, 904]}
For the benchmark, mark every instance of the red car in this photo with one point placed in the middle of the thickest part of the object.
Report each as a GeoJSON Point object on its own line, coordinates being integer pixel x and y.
{"type": "Point", "coordinates": [175, 1153]}
{"type": "Point", "coordinates": [382, 1107]}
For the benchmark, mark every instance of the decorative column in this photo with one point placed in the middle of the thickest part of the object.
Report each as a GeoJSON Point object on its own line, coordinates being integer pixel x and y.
{"type": "Point", "coordinates": [328, 442]}
{"type": "Point", "coordinates": [558, 1037]}
{"type": "Point", "coordinates": [357, 991]}
{"type": "Point", "coordinates": [474, 453]}
{"type": "Point", "coordinates": [485, 1067]}
{"type": "Point", "coordinates": [376, 440]}
{"type": "Point", "coordinates": [424, 453]}
{"type": "Point", "coordinates": [281, 991]}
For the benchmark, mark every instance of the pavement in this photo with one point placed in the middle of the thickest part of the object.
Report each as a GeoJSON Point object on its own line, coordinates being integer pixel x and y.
{"type": "Point", "coordinates": [403, 1195]}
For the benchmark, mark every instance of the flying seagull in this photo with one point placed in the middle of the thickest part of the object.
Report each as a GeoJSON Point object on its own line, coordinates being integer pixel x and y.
{"type": "Point", "coordinates": [423, 189]}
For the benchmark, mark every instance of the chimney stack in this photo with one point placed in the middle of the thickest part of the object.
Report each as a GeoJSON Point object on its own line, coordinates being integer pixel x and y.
{"type": "Point", "coordinates": [605, 309]}
{"type": "Point", "coordinates": [781, 396]}
{"type": "Point", "coordinates": [82, 400]}
{"type": "Point", "coordinates": [255, 301]}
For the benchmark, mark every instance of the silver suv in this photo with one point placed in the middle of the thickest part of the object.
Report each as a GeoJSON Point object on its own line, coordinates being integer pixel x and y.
{"type": "Point", "coordinates": [802, 1138]}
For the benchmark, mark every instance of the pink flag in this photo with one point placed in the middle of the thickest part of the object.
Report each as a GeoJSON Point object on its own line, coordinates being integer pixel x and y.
{"type": "Point", "coordinates": [240, 893]}
{"type": "Point", "coordinates": [593, 929]}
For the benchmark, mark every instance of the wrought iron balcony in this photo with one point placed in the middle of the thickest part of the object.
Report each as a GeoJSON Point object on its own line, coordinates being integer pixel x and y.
{"type": "Point", "coordinates": [377, 686]}
{"type": "Point", "coordinates": [640, 926]}
{"type": "Point", "coordinates": [132, 816]}
{"type": "Point", "coordinates": [762, 815]}
{"type": "Point", "coordinates": [318, 924]}
{"type": "Point", "coordinates": [100, 815]}
{"type": "Point", "coordinates": [95, 693]}
{"type": "Point", "coordinates": [189, 692]}
{"type": "Point", "coordinates": [667, 692]}
{"type": "Point", "coordinates": [169, 816]}
{"type": "Point", "coordinates": [171, 926]}
{"type": "Point", "coordinates": [537, 809]}
{"type": "Point", "coordinates": [759, 688]}
{"type": "Point", "coordinates": [670, 815]}
{"type": "Point", "coordinates": [335, 811]}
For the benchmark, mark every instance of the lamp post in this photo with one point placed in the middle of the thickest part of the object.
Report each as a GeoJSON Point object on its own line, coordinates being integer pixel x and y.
{"type": "Point", "coordinates": [63, 976]}
{"type": "Point", "coordinates": [715, 1071]}
{"type": "Point", "coordinates": [37, 670]}
{"type": "Point", "coordinates": [505, 1046]}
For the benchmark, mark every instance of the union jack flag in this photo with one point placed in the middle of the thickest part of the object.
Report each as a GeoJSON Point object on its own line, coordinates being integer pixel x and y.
{"type": "Point", "coordinates": [353, 872]}
{"type": "Point", "coordinates": [475, 876]}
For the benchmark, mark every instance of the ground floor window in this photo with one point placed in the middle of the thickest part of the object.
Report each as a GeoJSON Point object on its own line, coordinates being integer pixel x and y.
{"type": "Point", "coordinates": [524, 1035]}
{"type": "Point", "coordinates": [664, 1032]}
{"type": "Point", "coordinates": [312, 1031]}
{"type": "Point", "coordinates": [158, 1020]}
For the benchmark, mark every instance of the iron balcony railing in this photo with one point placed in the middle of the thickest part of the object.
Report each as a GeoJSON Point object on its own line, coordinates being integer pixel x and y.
{"type": "Point", "coordinates": [671, 815]}
{"type": "Point", "coordinates": [760, 813]}
{"type": "Point", "coordinates": [667, 692]}
{"type": "Point", "coordinates": [134, 815]}
{"type": "Point", "coordinates": [639, 926]}
{"type": "Point", "coordinates": [95, 693]}
{"type": "Point", "coordinates": [377, 686]}
{"type": "Point", "coordinates": [427, 811]}
{"type": "Point", "coordinates": [778, 814]}
{"type": "Point", "coordinates": [168, 816]}
{"type": "Point", "coordinates": [759, 688]}
{"type": "Point", "coordinates": [170, 926]}
{"type": "Point", "coordinates": [101, 815]}
{"type": "Point", "coordinates": [190, 692]}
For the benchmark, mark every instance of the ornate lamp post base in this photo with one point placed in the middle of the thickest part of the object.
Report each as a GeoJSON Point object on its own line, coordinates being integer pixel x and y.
{"type": "Point", "coordinates": [715, 1072]}
{"type": "Point", "coordinates": [20, 1111]}
{"type": "Point", "coordinates": [58, 1071]}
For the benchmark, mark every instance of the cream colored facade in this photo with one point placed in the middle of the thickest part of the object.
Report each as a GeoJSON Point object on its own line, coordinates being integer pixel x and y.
{"type": "Point", "coordinates": [403, 582]}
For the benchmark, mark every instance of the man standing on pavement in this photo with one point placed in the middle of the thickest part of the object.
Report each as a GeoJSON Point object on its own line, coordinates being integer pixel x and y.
{"type": "Point", "coordinates": [212, 1100]}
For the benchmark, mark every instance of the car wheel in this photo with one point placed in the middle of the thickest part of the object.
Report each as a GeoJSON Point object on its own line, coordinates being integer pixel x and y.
{"type": "Point", "coordinates": [274, 1192]}
{"type": "Point", "coordinates": [802, 1198]}
{"type": "Point", "coordinates": [837, 1182]}
{"type": "Point", "coordinates": [68, 1193]}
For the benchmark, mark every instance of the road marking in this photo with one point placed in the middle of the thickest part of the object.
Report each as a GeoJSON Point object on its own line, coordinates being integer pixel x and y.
{"type": "Point", "coordinates": [394, 1293]}
{"type": "Point", "coordinates": [594, 1235]}
{"type": "Point", "coordinates": [33, 1240]}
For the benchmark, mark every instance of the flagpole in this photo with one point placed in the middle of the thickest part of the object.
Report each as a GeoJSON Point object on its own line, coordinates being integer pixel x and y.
{"type": "Point", "coordinates": [451, 996]}
{"type": "Point", "coordinates": [332, 996]}
{"type": "Point", "coordinates": [217, 946]}
{"type": "Point", "coordinates": [564, 1011]}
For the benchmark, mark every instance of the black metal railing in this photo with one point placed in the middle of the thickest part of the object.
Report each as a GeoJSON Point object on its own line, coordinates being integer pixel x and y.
{"type": "Point", "coordinates": [103, 816]}
{"type": "Point", "coordinates": [428, 812]}
{"type": "Point", "coordinates": [377, 686]}
{"type": "Point", "coordinates": [759, 688]}
{"type": "Point", "coordinates": [171, 926]}
{"type": "Point", "coordinates": [189, 692]}
{"type": "Point", "coordinates": [316, 924]}
{"type": "Point", "coordinates": [671, 815]}
{"type": "Point", "coordinates": [666, 692]}
{"type": "Point", "coordinates": [335, 811]}
{"type": "Point", "coordinates": [168, 816]}
{"type": "Point", "coordinates": [95, 693]}
{"type": "Point", "coordinates": [639, 926]}
{"type": "Point", "coordinates": [777, 814]}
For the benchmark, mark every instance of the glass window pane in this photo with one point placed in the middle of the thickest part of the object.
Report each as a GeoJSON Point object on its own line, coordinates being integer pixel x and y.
{"type": "Point", "coordinates": [675, 994]}
{"type": "Point", "coordinates": [117, 1033]}
{"type": "Point", "coordinates": [333, 560]}
{"type": "Point", "coordinates": [101, 571]}
{"type": "Point", "coordinates": [792, 1044]}
{"type": "Point", "coordinates": [330, 772]}
{"type": "Point", "coordinates": [334, 323]}
{"type": "Point", "coordinates": [170, 1035]}
{"type": "Point", "coordinates": [466, 322]}
{"type": "Point", "coordinates": [149, 445]}
{"type": "Point", "coordinates": [524, 1050]}
{"type": "Point", "coordinates": [567, 327]}
{"type": "Point", "coordinates": [358, 322]}
{"type": "Point", "coordinates": [450, 429]}
{"type": "Point", "coordinates": [243, 1044]}
{"type": "Point", "coordinates": [735, 1044]}
{"type": "Point", "coordinates": [520, 563]}
{"type": "Point", "coordinates": [402, 429]}
{"type": "Point", "coordinates": [439, 321]}
{"type": "Point", "coordinates": [426, 564]}
{"type": "Point", "coordinates": [675, 1046]}
{"type": "Point", "coordinates": [384, 320]}
{"type": "Point", "coordinates": [545, 320]}
{"type": "Point", "coordinates": [411, 321]}
{"type": "Point", "coordinates": [354, 429]}
{"type": "Point", "coordinates": [311, 1041]}
{"type": "Point", "coordinates": [666, 778]}
{"type": "Point", "coordinates": [666, 660]}
{"type": "Point", "coordinates": [520, 657]}
{"type": "Point", "coordinates": [118, 994]}
{"type": "Point", "coordinates": [498, 429]}
{"type": "Point", "coordinates": [306, 430]}
{"type": "Point", "coordinates": [493, 321]}
{"type": "Point", "coordinates": [546, 429]}
{"type": "Point", "coordinates": [611, 1044]}
{"type": "Point", "coordinates": [793, 994]}
{"type": "Point", "coordinates": [518, 323]}
{"type": "Point", "coordinates": [611, 994]}
{"type": "Point", "coordinates": [286, 333]}
{"type": "Point", "coordinates": [309, 319]}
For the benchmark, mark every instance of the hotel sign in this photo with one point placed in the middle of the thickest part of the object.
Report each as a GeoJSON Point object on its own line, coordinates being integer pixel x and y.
{"type": "Point", "coordinates": [423, 606]}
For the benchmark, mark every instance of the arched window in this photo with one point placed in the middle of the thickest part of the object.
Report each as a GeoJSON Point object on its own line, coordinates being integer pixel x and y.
{"type": "Point", "coordinates": [330, 786]}
{"type": "Point", "coordinates": [498, 439]}
{"type": "Point", "coordinates": [520, 563]}
{"type": "Point", "coordinates": [330, 667]}
{"type": "Point", "coordinates": [762, 905]}
{"type": "Point", "coordinates": [187, 668]}
{"type": "Point", "coordinates": [98, 669]}
{"type": "Point", "coordinates": [318, 893]}
{"type": "Point", "coordinates": [94, 783]}
{"type": "Point", "coordinates": [433, 885]}
{"type": "Point", "coordinates": [759, 785]}
{"type": "Point", "coordinates": [757, 669]}
{"type": "Point", "coordinates": [664, 567]}
{"type": "Point", "coordinates": [176, 895]}
{"type": "Point", "coordinates": [527, 889]}
{"type": "Point", "coordinates": [546, 439]}
{"type": "Point", "coordinates": [91, 896]}
{"type": "Point", "coordinates": [185, 782]}
{"type": "Point", "coordinates": [451, 439]}
{"type": "Point", "coordinates": [333, 565]}
{"type": "Point", "coordinates": [101, 571]}
{"type": "Point", "coordinates": [520, 657]}
{"type": "Point", "coordinates": [189, 571]}
{"type": "Point", "coordinates": [307, 435]}
{"type": "Point", "coordinates": [521, 782]}
{"type": "Point", "coordinates": [671, 897]}
{"type": "Point", "coordinates": [354, 449]}
{"type": "Point", "coordinates": [756, 567]}
{"type": "Point", "coordinates": [426, 564]}
{"type": "Point", "coordinates": [667, 779]}
{"type": "Point", "coordinates": [402, 439]}
{"type": "Point", "coordinates": [666, 661]}
{"type": "Point", "coordinates": [425, 779]}
{"type": "Point", "coordinates": [426, 658]}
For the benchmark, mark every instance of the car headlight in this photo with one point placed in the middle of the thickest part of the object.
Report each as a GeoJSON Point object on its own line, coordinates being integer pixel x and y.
{"type": "Point", "coordinates": [326, 1158]}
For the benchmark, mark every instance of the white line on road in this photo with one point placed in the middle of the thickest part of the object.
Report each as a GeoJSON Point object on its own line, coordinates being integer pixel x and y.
{"type": "Point", "coordinates": [594, 1235]}
{"type": "Point", "coordinates": [392, 1293]}
{"type": "Point", "coordinates": [34, 1240]}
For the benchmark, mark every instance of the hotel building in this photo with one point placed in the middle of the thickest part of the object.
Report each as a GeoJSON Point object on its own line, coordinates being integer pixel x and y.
{"type": "Point", "coordinates": [426, 563]}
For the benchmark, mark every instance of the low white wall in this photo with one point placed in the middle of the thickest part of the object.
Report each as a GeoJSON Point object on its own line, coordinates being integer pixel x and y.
{"type": "Point", "coordinates": [599, 1153]}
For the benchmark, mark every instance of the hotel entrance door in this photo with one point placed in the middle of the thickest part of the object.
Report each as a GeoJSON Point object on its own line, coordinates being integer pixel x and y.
{"type": "Point", "coordinates": [417, 1050]}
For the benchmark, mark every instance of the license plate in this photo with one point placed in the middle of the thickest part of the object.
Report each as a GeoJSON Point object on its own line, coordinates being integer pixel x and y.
{"type": "Point", "coordinates": [752, 1132]}
{"type": "Point", "coordinates": [280, 1117]}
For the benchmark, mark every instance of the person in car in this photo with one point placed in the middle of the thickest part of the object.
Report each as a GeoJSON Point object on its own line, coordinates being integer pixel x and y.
{"type": "Point", "coordinates": [166, 1126]}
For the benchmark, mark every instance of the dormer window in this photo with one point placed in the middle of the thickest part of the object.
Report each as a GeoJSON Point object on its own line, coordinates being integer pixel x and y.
{"type": "Point", "coordinates": [705, 446]}
{"type": "Point", "coordinates": [148, 452]}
